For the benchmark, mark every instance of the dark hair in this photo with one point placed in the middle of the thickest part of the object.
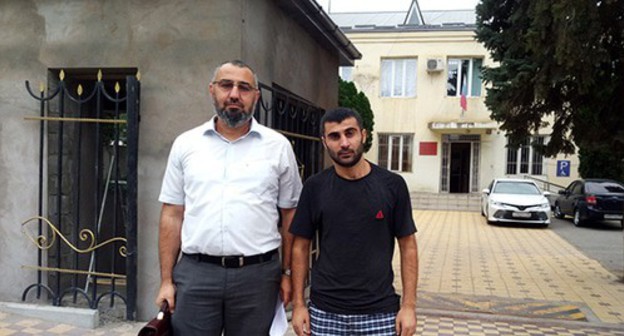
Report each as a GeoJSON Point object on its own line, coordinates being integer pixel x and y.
{"type": "Point", "coordinates": [339, 114]}
{"type": "Point", "coordinates": [236, 63]}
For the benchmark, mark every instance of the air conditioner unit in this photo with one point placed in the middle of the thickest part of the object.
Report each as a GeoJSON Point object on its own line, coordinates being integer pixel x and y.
{"type": "Point", "coordinates": [435, 64]}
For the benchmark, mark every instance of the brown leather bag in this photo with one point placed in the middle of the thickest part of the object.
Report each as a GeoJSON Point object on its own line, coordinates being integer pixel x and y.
{"type": "Point", "coordinates": [160, 325]}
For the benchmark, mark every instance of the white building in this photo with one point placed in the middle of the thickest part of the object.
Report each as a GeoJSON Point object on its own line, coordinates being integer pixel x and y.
{"type": "Point", "coordinates": [415, 68]}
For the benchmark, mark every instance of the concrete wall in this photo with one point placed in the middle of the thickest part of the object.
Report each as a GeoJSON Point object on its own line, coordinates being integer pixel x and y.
{"type": "Point", "coordinates": [431, 103]}
{"type": "Point", "coordinates": [175, 45]}
{"type": "Point", "coordinates": [292, 60]}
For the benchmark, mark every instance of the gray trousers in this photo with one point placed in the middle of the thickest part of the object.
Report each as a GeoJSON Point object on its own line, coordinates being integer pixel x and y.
{"type": "Point", "coordinates": [211, 300]}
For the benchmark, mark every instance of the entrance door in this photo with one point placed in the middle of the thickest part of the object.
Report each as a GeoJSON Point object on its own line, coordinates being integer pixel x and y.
{"type": "Point", "coordinates": [460, 167]}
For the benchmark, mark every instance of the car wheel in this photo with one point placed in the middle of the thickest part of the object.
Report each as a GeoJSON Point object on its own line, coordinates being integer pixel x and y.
{"type": "Point", "coordinates": [557, 212]}
{"type": "Point", "coordinates": [577, 218]}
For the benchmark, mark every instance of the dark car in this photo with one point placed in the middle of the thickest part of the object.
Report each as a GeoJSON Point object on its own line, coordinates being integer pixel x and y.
{"type": "Point", "coordinates": [591, 200]}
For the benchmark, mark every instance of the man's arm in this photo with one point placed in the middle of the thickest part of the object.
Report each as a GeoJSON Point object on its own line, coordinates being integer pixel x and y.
{"type": "Point", "coordinates": [406, 318]}
{"type": "Point", "coordinates": [287, 243]}
{"type": "Point", "coordinates": [169, 241]}
{"type": "Point", "coordinates": [300, 257]}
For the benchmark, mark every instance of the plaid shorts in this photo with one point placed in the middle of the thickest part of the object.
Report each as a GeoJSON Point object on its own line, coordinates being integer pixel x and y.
{"type": "Point", "coordinates": [330, 324]}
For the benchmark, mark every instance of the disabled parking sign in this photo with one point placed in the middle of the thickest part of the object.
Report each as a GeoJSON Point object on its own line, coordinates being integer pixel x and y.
{"type": "Point", "coordinates": [563, 168]}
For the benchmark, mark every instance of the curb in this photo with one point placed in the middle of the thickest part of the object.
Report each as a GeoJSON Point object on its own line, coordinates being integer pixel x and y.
{"type": "Point", "coordinates": [78, 317]}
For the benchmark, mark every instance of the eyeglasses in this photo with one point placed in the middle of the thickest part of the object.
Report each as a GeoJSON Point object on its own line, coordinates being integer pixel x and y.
{"type": "Point", "coordinates": [228, 85]}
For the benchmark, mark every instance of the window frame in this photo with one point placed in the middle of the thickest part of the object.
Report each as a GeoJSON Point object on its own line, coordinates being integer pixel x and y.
{"type": "Point", "coordinates": [404, 80]}
{"type": "Point", "coordinates": [525, 160]}
{"type": "Point", "coordinates": [385, 157]}
{"type": "Point", "coordinates": [470, 77]}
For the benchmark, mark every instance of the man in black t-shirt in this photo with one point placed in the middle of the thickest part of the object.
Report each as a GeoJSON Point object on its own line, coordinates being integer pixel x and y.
{"type": "Point", "coordinates": [358, 209]}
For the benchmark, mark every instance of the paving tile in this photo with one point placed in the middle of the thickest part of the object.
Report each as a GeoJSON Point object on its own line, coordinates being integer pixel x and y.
{"type": "Point", "coordinates": [469, 264]}
{"type": "Point", "coordinates": [520, 263]}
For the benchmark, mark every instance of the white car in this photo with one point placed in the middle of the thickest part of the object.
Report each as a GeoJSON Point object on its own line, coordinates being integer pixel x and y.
{"type": "Point", "coordinates": [516, 201]}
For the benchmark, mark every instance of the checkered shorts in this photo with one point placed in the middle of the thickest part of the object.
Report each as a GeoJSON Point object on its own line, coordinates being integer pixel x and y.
{"type": "Point", "coordinates": [329, 324]}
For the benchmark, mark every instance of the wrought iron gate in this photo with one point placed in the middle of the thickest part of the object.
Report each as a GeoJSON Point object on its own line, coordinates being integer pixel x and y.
{"type": "Point", "coordinates": [85, 230]}
{"type": "Point", "coordinates": [296, 118]}
{"type": "Point", "coordinates": [299, 120]}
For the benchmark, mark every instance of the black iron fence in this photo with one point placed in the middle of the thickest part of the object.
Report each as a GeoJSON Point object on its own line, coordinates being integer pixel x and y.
{"type": "Point", "coordinates": [296, 118]}
{"type": "Point", "coordinates": [85, 229]}
{"type": "Point", "coordinates": [299, 120]}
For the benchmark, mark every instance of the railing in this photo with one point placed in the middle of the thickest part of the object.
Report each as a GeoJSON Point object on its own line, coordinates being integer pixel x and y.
{"type": "Point", "coordinates": [85, 228]}
{"type": "Point", "coordinates": [548, 186]}
{"type": "Point", "coordinates": [298, 120]}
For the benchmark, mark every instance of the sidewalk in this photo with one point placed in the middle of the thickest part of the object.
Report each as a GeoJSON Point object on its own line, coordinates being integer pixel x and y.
{"type": "Point", "coordinates": [475, 279]}
{"type": "Point", "coordinates": [461, 256]}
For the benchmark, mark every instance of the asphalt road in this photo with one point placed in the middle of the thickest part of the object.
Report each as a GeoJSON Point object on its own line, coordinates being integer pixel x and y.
{"type": "Point", "coordinates": [603, 242]}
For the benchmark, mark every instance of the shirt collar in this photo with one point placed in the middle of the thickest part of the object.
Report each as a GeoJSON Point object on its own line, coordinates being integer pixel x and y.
{"type": "Point", "coordinates": [209, 128]}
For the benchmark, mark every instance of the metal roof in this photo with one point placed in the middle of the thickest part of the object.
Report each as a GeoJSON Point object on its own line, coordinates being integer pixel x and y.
{"type": "Point", "coordinates": [372, 20]}
{"type": "Point", "coordinates": [368, 19]}
{"type": "Point", "coordinates": [440, 17]}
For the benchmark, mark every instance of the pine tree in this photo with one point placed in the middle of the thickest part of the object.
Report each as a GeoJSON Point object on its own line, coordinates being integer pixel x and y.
{"type": "Point", "coordinates": [348, 96]}
{"type": "Point", "coordinates": [561, 63]}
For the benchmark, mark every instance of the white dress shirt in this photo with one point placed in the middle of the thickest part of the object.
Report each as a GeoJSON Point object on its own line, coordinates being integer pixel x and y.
{"type": "Point", "coordinates": [231, 190]}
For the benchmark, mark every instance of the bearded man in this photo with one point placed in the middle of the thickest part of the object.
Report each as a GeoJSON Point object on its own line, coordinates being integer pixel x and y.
{"type": "Point", "coordinates": [358, 210]}
{"type": "Point", "coordinates": [226, 186]}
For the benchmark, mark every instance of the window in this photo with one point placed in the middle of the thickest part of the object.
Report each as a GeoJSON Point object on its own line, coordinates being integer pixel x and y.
{"type": "Point", "coordinates": [395, 152]}
{"type": "Point", "coordinates": [398, 77]}
{"type": "Point", "coordinates": [519, 188]}
{"type": "Point", "coordinates": [346, 73]}
{"type": "Point", "coordinates": [525, 159]}
{"type": "Point", "coordinates": [604, 187]}
{"type": "Point", "coordinates": [464, 74]}
{"type": "Point", "coordinates": [577, 189]}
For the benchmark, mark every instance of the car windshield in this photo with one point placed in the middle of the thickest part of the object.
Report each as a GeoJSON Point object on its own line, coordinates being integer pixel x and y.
{"type": "Point", "coordinates": [604, 188]}
{"type": "Point", "coordinates": [522, 188]}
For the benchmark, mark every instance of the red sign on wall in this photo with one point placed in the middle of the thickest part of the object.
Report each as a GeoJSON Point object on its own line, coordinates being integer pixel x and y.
{"type": "Point", "coordinates": [428, 148]}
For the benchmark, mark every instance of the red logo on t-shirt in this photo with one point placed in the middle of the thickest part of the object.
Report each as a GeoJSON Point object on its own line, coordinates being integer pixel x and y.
{"type": "Point", "coordinates": [379, 215]}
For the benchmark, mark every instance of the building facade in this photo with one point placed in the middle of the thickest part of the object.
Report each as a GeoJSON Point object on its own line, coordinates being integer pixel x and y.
{"type": "Point", "coordinates": [422, 74]}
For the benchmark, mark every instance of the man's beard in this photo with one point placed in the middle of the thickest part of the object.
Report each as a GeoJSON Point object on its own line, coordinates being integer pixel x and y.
{"type": "Point", "coordinates": [347, 163]}
{"type": "Point", "coordinates": [234, 117]}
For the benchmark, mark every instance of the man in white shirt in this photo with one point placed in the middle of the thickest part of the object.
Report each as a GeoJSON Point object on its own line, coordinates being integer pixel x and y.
{"type": "Point", "coordinates": [226, 185]}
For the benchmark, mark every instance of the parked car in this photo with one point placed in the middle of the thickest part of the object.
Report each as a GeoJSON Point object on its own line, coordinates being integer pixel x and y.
{"type": "Point", "coordinates": [591, 200]}
{"type": "Point", "coordinates": [515, 200]}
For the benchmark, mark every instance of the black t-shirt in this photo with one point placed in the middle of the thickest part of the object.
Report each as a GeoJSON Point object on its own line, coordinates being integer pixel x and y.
{"type": "Point", "coordinates": [357, 221]}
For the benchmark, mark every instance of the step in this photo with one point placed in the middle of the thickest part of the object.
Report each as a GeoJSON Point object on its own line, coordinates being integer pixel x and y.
{"type": "Point", "coordinates": [445, 201]}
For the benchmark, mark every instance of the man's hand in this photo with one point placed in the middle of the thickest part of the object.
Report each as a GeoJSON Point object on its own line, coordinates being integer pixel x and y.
{"type": "Point", "coordinates": [286, 289]}
{"type": "Point", "coordinates": [166, 292]}
{"type": "Point", "coordinates": [171, 218]}
{"type": "Point", "coordinates": [406, 321]}
{"type": "Point", "coordinates": [301, 320]}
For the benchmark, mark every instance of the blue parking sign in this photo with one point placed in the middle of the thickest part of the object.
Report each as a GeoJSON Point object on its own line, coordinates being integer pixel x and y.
{"type": "Point", "coordinates": [563, 168]}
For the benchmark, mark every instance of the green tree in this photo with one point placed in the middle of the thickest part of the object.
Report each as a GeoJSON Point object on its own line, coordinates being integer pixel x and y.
{"type": "Point", "coordinates": [560, 63]}
{"type": "Point", "coordinates": [349, 96]}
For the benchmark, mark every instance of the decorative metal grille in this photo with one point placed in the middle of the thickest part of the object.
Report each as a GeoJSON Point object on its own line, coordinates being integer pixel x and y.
{"type": "Point", "coordinates": [476, 156]}
{"type": "Point", "coordinates": [299, 120]}
{"type": "Point", "coordinates": [446, 158]}
{"type": "Point", "coordinates": [85, 229]}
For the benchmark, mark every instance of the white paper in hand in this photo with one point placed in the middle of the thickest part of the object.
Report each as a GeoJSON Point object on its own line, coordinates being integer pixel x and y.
{"type": "Point", "coordinates": [280, 321]}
